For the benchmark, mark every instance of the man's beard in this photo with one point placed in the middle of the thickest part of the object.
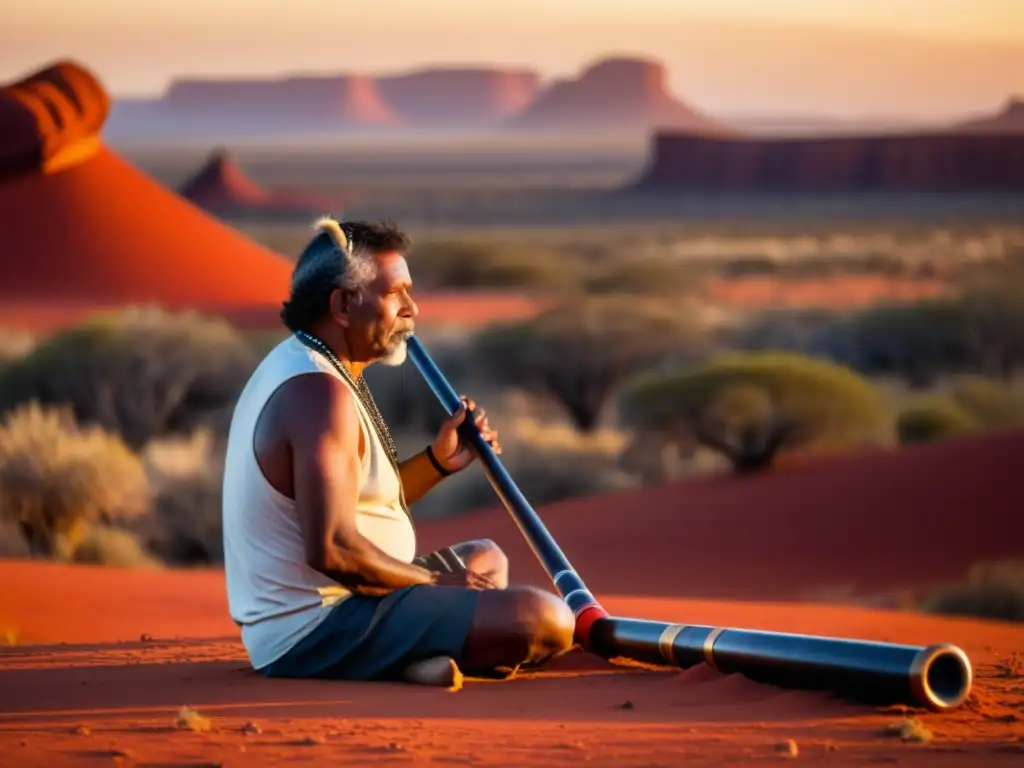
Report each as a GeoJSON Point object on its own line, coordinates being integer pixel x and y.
{"type": "Point", "coordinates": [397, 353]}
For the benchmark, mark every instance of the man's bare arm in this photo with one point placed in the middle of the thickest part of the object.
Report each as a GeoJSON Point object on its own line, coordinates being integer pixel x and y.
{"type": "Point", "coordinates": [324, 436]}
{"type": "Point", "coordinates": [418, 477]}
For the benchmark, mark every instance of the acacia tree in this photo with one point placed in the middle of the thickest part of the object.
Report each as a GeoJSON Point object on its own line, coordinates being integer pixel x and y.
{"type": "Point", "coordinates": [749, 407]}
{"type": "Point", "coordinates": [581, 350]}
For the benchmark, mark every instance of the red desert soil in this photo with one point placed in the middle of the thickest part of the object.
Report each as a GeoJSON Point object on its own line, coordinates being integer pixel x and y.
{"type": "Point", "coordinates": [103, 661]}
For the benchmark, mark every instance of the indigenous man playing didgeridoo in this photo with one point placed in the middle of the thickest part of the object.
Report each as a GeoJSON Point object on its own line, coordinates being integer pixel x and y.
{"type": "Point", "coordinates": [319, 547]}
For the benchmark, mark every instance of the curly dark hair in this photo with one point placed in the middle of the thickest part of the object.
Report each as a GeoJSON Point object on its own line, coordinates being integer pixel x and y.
{"type": "Point", "coordinates": [323, 266]}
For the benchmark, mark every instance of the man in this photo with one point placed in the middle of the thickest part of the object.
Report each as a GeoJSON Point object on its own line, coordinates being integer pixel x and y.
{"type": "Point", "coordinates": [319, 546]}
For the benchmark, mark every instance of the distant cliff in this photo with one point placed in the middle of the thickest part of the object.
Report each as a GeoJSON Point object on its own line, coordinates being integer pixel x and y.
{"type": "Point", "coordinates": [926, 162]}
{"type": "Point", "coordinates": [454, 98]}
{"type": "Point", "coordinates": [614, 94]}
{"type": "Point", "coordinates": [458, 97]}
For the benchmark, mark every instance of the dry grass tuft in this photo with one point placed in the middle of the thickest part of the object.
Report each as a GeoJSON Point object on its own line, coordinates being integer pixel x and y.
{"type": "Point", "coordinates": [189, 719]}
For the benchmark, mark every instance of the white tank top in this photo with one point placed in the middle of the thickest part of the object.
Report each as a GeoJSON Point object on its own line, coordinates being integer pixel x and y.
{"type": "Point", "coordinates": [273, 595]}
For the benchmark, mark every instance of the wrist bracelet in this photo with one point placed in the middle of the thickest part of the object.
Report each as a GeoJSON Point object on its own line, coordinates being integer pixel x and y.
{"type": "Point", "coordinates": [437, 465]}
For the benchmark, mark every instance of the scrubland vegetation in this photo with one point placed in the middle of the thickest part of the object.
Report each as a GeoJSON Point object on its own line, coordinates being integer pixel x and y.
{"type": "Point", "coordinates": [112, 432]}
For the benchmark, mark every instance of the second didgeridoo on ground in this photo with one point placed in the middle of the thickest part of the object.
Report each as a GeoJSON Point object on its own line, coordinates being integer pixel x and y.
{"type": "Point", "coordinates": [938, 677]}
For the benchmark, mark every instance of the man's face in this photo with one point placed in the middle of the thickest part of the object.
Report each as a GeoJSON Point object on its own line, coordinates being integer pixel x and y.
{"type": "Point", "coordinates": [384, 317]}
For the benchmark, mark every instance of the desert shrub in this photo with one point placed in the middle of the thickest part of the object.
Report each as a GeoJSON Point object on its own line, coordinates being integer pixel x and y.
{"type": "Point", "coordinates": [470, 263]}
{"type": "Point", "coordinates": [991, 591]}
{"type": "Point", "coordinates": [185, 524]}
{"type": "Point", "coordinates": [751, 406]}
{"type": "Point", "coordinates": [933, 417]}
{"type": "Point", "coordinates": [975, 333]}
{"type": "Point", "coordinates": [117, 547]}
{"type": "Point", "coordinates": [581, 350]}
{"type": "Point", "coordinates": [141, 374]}
{"type": "Point", "coordinates": [12, 541]}
{"type": "Point", "coordinates": [59, 478]}
{"type": "Point", "coordinates": [991, 403]}
{"type": "Point", "coordinates": [645, 277]}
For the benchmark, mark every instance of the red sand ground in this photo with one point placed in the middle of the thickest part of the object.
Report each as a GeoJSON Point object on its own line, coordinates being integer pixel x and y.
{"type": "Point", "coordinates": [103, 662]}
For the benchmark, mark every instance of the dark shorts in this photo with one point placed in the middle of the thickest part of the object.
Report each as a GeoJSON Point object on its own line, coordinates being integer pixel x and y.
{"type": "Point", "coordinates": [376, 637]}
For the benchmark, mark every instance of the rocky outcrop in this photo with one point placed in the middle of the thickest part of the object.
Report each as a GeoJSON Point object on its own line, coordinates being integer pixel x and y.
{"type": "Point", "coordinates": [223, 189]}
{"type": "Point", "coordinates": [614, 94]}
{"type": "Point", "coordinates": [925, 162]}
{"type": "Point", "coordinates": [93, 231]}
{"type": "Point", "coordinates": [458, 98]}
{"type": "Point", "coordinates": [1010, 118]}
{"type": "Point", "coordinates": [50, 119]}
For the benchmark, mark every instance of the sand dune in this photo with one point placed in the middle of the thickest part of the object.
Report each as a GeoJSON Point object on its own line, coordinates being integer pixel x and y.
{"type": "Point", "coordinates": [842, 526]}
{"type": "Point", "coordinates": [102, 664]}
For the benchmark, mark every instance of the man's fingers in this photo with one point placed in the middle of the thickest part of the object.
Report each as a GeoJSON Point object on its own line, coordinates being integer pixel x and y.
{"type": "Point", "coordinates": [460, 415]}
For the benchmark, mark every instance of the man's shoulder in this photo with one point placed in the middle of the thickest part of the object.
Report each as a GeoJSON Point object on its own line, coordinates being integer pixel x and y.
{"type": "Point", "coordinates": [316, 396]}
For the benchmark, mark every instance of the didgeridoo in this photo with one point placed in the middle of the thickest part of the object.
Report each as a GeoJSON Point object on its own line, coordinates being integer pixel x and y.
{"type": "Point", "coordinates": [938, 677]}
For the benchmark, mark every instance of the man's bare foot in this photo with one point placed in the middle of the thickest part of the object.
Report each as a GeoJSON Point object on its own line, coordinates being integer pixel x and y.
{"type": "Point", "coordinates": [440, 671]}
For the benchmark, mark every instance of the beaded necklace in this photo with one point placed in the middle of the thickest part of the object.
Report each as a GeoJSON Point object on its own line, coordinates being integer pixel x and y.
{"type": "Point", "coordinates": [362, 390]}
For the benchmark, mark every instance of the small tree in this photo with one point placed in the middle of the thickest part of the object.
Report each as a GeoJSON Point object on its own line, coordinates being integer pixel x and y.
{"type": "Point", "coordinates": [140, 374]}
{"type": "Point", "coordinates": [58, 479]}
{"type": "Point", "coordinates": [749, 407]}
{"type": "Point", "coordinates": [581, 350]}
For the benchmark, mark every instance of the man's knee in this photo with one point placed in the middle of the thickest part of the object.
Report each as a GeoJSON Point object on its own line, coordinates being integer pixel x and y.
{"type": "Point", "coordinates": [544, 621]}
{"type": "Point", "coordinates": [485, 556]}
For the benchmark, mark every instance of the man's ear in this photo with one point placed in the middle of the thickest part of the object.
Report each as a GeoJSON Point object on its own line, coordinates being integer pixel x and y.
{"type": "Point", "coordinates": [340, 306]}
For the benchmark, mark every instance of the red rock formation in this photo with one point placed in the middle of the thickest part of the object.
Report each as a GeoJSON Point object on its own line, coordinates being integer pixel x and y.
{"type": "Point", "coordinates": [50, 118]}
{"type": "Point", "coordinates": [614, 94]}
{"type": "Point", "coordinates": [926, 162]}
{"type": "Point", "coordinates": [458, 97]}
{"type": "Point", "coordinates": [93, 231]}
{"type": "Point", "coordinates": [1010, 118]}
{"type": "Point", "coordinates": [221, 188]}
{"type": "Point", "coordinates": [319, 102]}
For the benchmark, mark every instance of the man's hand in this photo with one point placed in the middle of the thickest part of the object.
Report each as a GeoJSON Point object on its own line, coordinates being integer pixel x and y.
{"type": "Point", "coordinates": [451, 451]}
{"type": "Point", "coordinates": [467, 578]}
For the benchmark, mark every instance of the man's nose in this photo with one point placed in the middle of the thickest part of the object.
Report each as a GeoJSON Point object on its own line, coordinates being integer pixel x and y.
{"type": "Point", "coordinates": [411, 307]}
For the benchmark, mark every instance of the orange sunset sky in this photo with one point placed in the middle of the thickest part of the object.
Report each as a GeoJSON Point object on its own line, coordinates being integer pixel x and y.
{"type": "Point", "coordinates": [850, 58]}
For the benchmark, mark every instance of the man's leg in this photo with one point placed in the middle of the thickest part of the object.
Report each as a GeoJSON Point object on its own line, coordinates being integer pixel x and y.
{"type": "Point", "coordinates": [480, 555]}
{"type": "Point", "coordinates": [486, 558]}
{"type": "Point", "coordinates": [514, 627]}
{"type": "Point", "coordinates": [510, 628]}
